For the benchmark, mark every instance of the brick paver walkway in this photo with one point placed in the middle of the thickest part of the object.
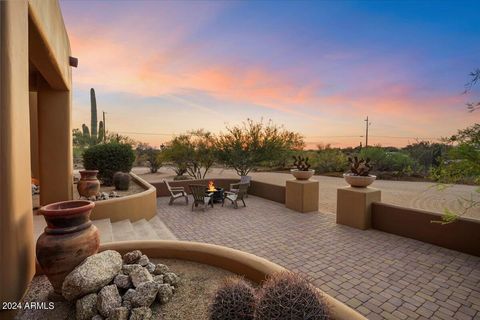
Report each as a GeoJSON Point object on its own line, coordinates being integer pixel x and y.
{"type": "Point", "coordinates": [381, 275]}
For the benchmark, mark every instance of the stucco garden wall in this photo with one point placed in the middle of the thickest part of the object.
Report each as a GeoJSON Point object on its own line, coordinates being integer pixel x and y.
{"type": "Point", "coordinates": [30, 32]}
{"type": "Point", "coordinates": [134, 207]}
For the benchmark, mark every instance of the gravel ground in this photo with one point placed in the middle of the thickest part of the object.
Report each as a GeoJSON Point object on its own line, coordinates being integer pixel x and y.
{"type": "Point", "coordinates": [419, 195]}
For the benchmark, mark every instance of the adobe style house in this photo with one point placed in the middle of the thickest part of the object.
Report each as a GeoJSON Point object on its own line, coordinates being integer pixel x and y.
{"type": "Point", "coordinates": [35, 129]}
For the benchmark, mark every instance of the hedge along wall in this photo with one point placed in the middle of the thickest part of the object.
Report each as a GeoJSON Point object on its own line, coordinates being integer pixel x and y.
{"type": "Point", "coordinates": [462, 235]}
{"type": "Point", "coordinates": [260, 189]}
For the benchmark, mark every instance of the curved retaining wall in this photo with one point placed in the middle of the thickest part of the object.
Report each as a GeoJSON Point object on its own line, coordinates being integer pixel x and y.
{"type": "Point", "coordinates": [134, 207]}
{"type": "Point", "coordinates": [251, 266]}
{"type": "Point", "coordinates": [265, 190]}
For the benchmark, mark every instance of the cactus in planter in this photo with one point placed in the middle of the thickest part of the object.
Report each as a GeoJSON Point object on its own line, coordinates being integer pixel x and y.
{"type": "Point", "coordinates": [301, 163]}
{"type": "Point", "coordinates": [121, 180]}
{"type": "Point", "coordinates": [286, 295]}
{"type": "Point", "coordinates": [234, 300]}
{"type": "Point", "coordinates": [360, 167]}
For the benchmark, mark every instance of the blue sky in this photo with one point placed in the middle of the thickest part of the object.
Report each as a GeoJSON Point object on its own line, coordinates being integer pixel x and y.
{"type": "Point", "coordinates": [317, 67]}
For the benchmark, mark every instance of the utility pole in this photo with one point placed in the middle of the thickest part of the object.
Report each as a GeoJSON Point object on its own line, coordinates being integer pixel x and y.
{"type": "Point", "coordinates": [104, 128]}
{"type": "Point", "coordinates": [366, 131]}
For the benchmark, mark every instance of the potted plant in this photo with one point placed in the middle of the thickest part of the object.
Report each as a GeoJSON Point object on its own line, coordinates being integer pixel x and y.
{"type": "Point", "coordinates": [359, 175]}
{"type": "Point", "coordinates": [302, 171]}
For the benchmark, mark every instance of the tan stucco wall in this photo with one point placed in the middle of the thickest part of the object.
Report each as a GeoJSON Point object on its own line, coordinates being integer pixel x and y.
{"type": "Point", "coordinates": [50, 43]}
{"type": "Point", "coordinates": [55, 145]}
{"type": "Point", "coordinates": [134, 207]}
{"type": "Point", "coordinates": [16, 226]}
{"type": "Point", "coordinates": [30, 31]}
{"type": "Point", "coordinates": [34, 158]}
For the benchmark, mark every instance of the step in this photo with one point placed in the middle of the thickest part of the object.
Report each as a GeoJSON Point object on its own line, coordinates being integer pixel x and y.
{"type": "Point", "coordinates": [162, 231]}
{"type": "Point", "coordinates": [38, 225]}
{"type": "Point", "coordinates": [105, 229]}
{"type": "Point", "coordinates": [144, 230]}
{"type": "Point", "coordinates": [123, 231]}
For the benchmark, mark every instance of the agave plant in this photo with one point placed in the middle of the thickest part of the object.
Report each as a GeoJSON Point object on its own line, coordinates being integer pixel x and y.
{"type": "Point", "coordinates": [359, 167]}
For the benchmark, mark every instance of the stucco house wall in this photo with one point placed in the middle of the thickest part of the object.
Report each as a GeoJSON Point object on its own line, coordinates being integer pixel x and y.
{"type": "Point", "coordinates": [31, 31]}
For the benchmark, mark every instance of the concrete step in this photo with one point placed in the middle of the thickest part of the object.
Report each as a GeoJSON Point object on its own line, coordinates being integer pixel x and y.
{"type": "Point", "coordinates": [38, 225]}
{"type": "Point", "coordinates": [144, 230]}
{"type": "Point", "coordinates": [161, 229]}
{"type": "Point", "coordinates": [105, 229]}
{"type": "Point", "coordinates": [123, 231]}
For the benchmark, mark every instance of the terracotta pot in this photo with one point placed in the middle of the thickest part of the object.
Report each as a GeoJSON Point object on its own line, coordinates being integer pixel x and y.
{"type": "Point", "coordinates": [67, 240]}
{"type": "Point", "coordinates": [88, 185]}
{"type": "Point", "coordinates": [302, 175]}
{"type": "Point", "coordinates": [359, 181]}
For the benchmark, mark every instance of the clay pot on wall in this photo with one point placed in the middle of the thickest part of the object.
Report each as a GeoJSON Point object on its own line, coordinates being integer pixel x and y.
{"type": "Point", "coordinates": [68, 239]}
{"type": "Point", "coordinates": [88, 185]}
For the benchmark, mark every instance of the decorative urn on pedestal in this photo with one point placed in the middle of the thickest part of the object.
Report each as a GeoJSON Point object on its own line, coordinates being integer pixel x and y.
{"type": "Point", "coordinates": [88, 185]}
{"type": "Point", "coordinates": [359, 175]}
{"type": "Point", "coordinates": [67, 240]}
{"type": "Point", "coordinates": [302, 170]}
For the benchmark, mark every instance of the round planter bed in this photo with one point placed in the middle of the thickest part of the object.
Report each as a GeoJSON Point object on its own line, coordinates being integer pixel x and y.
{"type": "Point", "coordinates": [252, 267]}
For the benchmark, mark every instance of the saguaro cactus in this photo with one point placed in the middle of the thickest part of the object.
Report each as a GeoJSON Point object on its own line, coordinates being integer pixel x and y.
{"type": "Point", "coordinates": [93, 111]}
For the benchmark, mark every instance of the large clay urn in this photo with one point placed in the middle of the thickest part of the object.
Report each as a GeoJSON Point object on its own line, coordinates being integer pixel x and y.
{"type": "Point", "coordinates": [88, 185]}
{"type": "Point", "coordinates": [67, 240]}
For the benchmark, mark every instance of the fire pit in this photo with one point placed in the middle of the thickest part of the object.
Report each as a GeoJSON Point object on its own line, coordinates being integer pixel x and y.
{"type": "Point", "coordinates": [217, 192]}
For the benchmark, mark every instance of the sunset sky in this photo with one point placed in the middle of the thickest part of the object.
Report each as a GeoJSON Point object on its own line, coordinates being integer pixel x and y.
{"type": "Point", "coordinates": [319, 68]}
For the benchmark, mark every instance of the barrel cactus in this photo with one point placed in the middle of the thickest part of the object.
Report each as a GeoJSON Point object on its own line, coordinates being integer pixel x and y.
{"type": "Point", "coordinates": [286, 295]}
{"type": "Point", "coordinates": [234, 300]}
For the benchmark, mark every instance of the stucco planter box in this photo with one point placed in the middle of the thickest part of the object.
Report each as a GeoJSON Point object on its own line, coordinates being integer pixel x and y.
{"type": "Point", "coordinates": [354, 206]}
{"type": "Point", "coordinates": [302, 195]}
{"type": "Point", "coordinates": [250, 266]}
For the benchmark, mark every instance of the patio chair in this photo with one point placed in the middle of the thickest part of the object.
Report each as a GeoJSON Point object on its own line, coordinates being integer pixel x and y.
{"type": "Point", "coordinates": [243, 179]}
{"type": "Point", "coordinates": [176, 193]}
{"type": "Point", "coordinates": [234, 197]}
{"type": "Point", "coordinates": [200, 196]}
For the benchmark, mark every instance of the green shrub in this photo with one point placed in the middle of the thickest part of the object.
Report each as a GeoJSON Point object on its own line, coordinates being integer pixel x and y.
{"type": "Point", "coordinates": [388, 161]}
{"type": "Point", "coordinates": [107, 159]}
{"type": "Point", "coordinates": [330, 160]}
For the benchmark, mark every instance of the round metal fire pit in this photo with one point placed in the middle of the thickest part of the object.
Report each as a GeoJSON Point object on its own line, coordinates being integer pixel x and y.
{"type": "Point", "coordinates": [217, 194]}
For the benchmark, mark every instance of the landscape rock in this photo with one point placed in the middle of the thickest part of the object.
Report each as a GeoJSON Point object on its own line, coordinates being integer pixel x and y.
{"type": "Point", "coordinates": [142, 313]}
{"type": "Point", "coordinates": [139, 276]}
{"type": "Point", "coordinates": [145, 294]}
{"type": "Point", "coordinates": [143, 261]}
{"type": "Point", "coordinates": [120, 313]}
{"type": "Point", "coordinates": [86, 307]}
{"type": "Point", "coordinates": [122, 281]}
{"type": "Point", "coordinates": [171, 278]}
{"type": "Point", "coordinates": [150, 267]}
{"type": "Point", "coordinates": [132, 256]}
{"type": "Point", "coordinates": [127, 298]}
{"type": "Point", "coordinates": [97, 317]}
{"type": "Point", "coordinates": [165, 293]}
{"type": "Point", "coordinates": [92, 274]}
{"type": "Point", "coordinates": [108, 299]}
{"type": "Point", "coordinates": [128, 268]}
{"type": "Point", "coordinates": [158, 278]}
{"type": "Point", "coordinates": [161, 269]}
